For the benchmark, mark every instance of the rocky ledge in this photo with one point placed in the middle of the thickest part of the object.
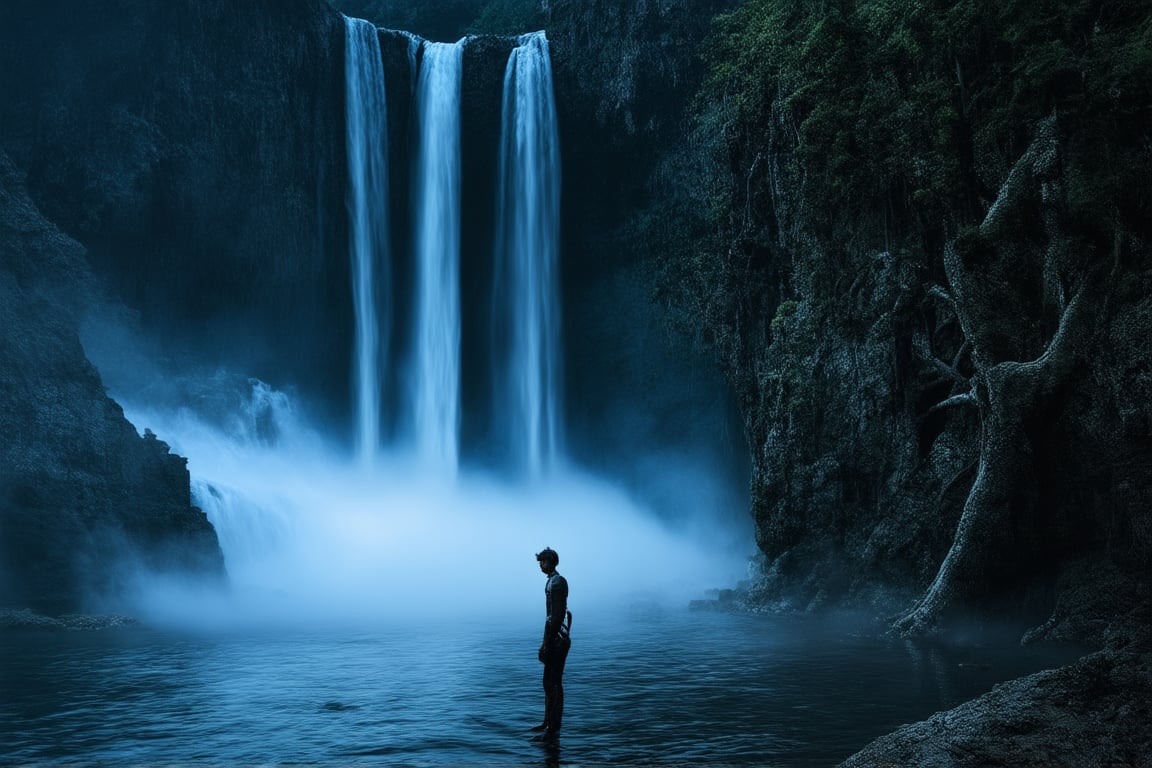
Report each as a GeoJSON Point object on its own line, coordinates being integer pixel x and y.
{"type": "Point", "coordinates": [1094, 712]}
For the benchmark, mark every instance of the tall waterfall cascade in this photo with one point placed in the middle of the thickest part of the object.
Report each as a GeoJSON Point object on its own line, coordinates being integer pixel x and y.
{"type": "Point", "coordinates": [367, 136]}
{"type": "Point", "coordinates": [523, 361]}
{"type": "Point", "coordinates": [436, 373]}
{"type": "Point", "coordinates": [527, 297]}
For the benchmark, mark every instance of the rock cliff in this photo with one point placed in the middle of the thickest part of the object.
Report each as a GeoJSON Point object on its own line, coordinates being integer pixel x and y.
{"type": "Point", "coordinates": [184, 160]}
{"type": "Point", "coordinates": [84, 499]}
{"type": "Point", "coordinates": [917, 242]}
{"type": "Point", "coordinates": [195, 150]}
{"type": "Point", "coordinates": [924, 285]}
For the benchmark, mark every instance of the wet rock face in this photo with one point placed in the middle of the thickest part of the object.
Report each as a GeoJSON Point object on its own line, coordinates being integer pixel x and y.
{"type": "Point", "coordinates": [635, 59]}
{"type": "Point", "coordinates": [957, 389]}
{"type": "Point", "coordinates": [876, 423]}
{"type": "Point", "coordinates": [194, 149]}
{"type": "Point", "coordinates": [181, 151]}
{"type": "Point", "coordinates": [84, 500]}
{"type": "Point", "coordinates": [187, 153]}
{"type": "Point", "coordinates": [624, 72]}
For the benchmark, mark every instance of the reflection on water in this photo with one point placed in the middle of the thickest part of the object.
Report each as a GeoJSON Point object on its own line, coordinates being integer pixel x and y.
{"type": "Point", "coordinates": [647, 686]}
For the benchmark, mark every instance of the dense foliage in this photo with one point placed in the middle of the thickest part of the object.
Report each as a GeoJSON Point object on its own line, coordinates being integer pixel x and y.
{"type": "Point", "coordinates": [897, 120]}
{"type": "Point", "coordinates": [883, 210]}
{"type": "Point", "coordinates": [910, 104]}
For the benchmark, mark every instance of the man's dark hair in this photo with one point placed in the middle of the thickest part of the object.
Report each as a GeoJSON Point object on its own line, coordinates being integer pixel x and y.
{"type": "Point", "coordinates": [548, 554]}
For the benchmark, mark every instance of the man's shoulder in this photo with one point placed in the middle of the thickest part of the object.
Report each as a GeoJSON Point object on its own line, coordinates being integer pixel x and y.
{"type": "Point", "coordinates": [557, 581]}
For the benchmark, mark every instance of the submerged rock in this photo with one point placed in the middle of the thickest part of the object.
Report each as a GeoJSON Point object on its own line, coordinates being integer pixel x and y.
{"type": "Point", "coordinates": [1097, 711]}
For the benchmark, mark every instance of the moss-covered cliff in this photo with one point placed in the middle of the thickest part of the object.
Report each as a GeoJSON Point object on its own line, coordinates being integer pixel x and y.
{"type": "Point", "coordinates": [917, 235]}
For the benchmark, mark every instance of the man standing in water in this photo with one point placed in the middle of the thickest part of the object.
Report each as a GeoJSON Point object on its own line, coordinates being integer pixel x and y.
{"type": "Point", "coordinates": [554, 649]}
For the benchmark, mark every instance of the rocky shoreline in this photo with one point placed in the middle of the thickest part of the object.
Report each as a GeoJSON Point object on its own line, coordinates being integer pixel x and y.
{"type": "Point", "coordinates": [1093, 712]}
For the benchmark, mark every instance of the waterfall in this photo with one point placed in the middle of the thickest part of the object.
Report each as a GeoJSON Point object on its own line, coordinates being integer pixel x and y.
{"type": "Point", "coordinates": [368, 218]}
{"type": "Point", "coordinates": [525, 360]}
{"type": "Point", "coordinates": [247, 528]}
{"type": "Point", "coordinates": [414, 42]}
{"type": "Point", "coordinates": [526, 315]}
{"type": "Point", "coordinates": [436, 370]}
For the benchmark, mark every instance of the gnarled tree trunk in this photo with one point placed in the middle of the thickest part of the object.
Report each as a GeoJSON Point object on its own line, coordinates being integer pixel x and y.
{"type": "Point", "coordinates": [989, 536]}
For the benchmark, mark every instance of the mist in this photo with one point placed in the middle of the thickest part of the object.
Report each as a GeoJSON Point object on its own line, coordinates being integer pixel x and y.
{"type": "Point", "coordinates": [310, 532]}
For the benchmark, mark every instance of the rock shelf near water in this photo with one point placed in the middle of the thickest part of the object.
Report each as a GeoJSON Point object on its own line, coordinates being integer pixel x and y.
{"type": "Point", "coordinates": [1094, 712]}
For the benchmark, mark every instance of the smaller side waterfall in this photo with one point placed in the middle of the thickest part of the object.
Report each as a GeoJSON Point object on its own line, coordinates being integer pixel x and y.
{"type": "Point", "coordinates": [526, 316]}
{"type": "Point", "coordinates": [367, 135]}
{"type": "Point", "coordinates": [436, 374]}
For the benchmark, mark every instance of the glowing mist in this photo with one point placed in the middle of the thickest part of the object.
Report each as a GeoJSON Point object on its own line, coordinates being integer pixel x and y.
{"type": "Point", "coordinates": [308, 535]}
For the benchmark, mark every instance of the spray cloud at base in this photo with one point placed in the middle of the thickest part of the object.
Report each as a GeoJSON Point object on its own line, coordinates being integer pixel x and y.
{"type": "Point", "coordinates": [310, 533]}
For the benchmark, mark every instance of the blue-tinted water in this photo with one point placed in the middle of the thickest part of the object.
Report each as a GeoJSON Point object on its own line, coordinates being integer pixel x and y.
{"type": "Point", "coordinates": [646, 686]}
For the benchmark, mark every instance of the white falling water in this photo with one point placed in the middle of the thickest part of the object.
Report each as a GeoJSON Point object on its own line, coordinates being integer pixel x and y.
{"type": "Point", "coordinates": [436, 374]}
{"type": "Point", "coordinates": [527, 256]}
{"type": "Point", "coordinates": [368, 217]}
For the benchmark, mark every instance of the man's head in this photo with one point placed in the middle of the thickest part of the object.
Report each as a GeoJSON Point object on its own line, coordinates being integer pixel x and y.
{"type": "Point", "coordinates": [548, 559]}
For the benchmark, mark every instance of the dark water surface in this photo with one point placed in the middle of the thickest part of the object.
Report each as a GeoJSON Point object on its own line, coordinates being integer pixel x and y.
{"type": "Point", "coordinates": [643, 687]}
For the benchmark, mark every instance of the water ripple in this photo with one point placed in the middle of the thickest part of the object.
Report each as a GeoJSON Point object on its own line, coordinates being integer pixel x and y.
{"type": "Point", "coordinates": [670, 689]}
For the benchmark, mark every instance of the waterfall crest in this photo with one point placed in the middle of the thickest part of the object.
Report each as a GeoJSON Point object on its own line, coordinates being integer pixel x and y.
{"type": "Point", "coordinates": [526, 302]}
{"type": "Point", "coordinates": [436, 369]}
{"type": "Point", "coordinates": [367, 133]}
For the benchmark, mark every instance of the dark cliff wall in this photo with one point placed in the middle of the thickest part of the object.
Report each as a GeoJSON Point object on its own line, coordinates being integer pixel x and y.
{"type": "Point", "coordinates": [83, 498]}
{"type": "Point", "coordinates": [186, 160]}
{"type": "Point", "coordinates": [919, 243]}
{"type": "Point", "coordinates": [914, 241]}
{"type": "Point", "coordinates": [195, 149]}
{"type": "Point", "coordinates": [931, 308]}
{"type": "Point", "coordinates": [645, 400]}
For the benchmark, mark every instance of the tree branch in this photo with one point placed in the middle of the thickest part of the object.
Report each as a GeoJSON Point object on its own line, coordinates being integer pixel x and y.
{"type": "Point", "coordinates": [964, 348]}
{"type": "Point", "coordinates": [941, 293]}
{"type": "Point", "coordinates": [1039, 158]}
{"type": "Point", "coordinates": [923, 349]}
{"type": "Point", "coordinates": [963, 399]}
